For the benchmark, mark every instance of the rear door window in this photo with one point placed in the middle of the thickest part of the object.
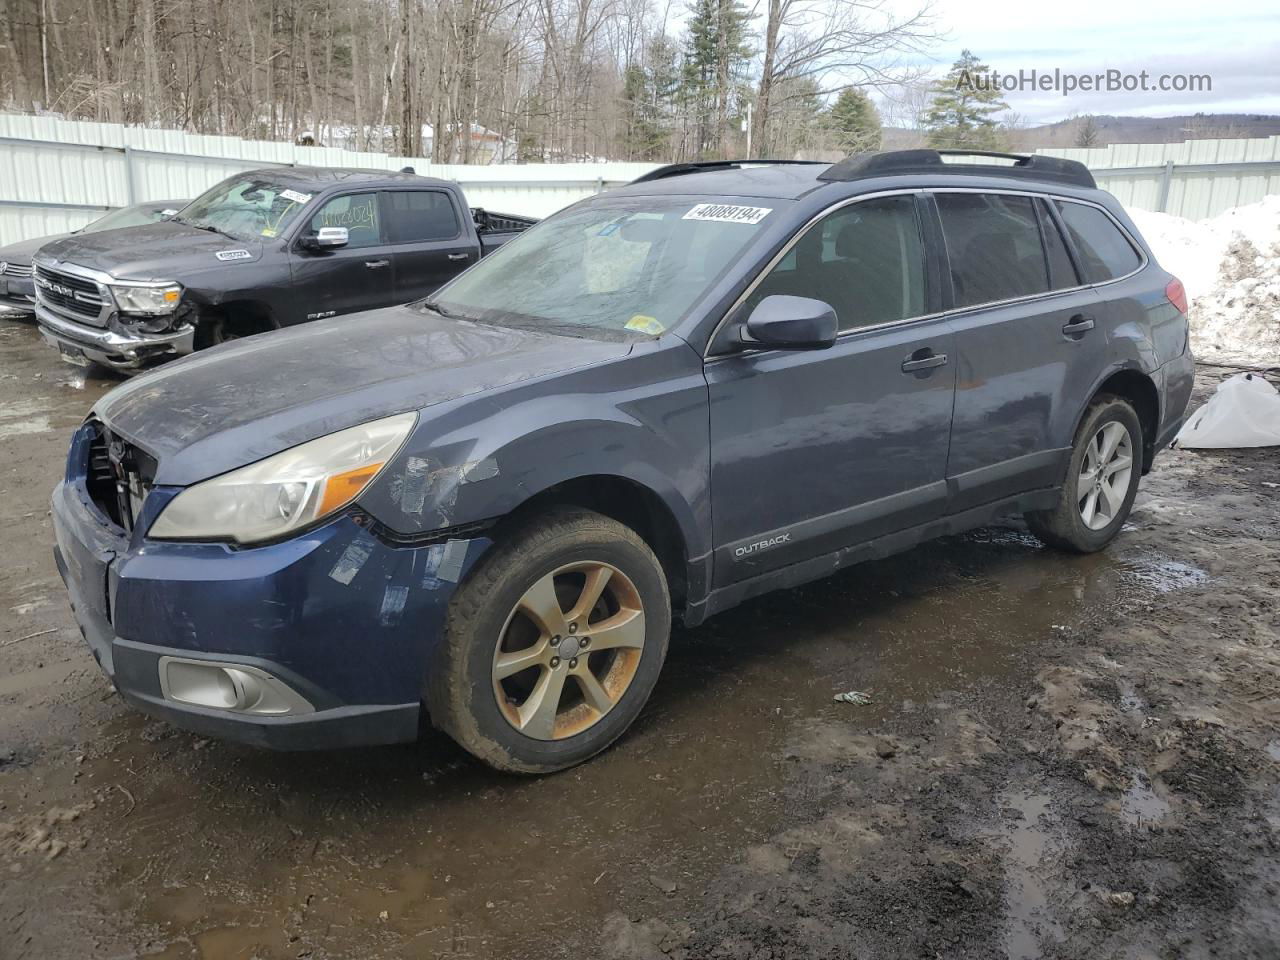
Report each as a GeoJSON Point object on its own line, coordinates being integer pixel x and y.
{"type": "Point", "coordinates": [866, 260]}
{"type": "Point", "coordinates": [1105, 253]}
{"type": "Point", "coordinates": [420, 215]}
{"type": "Point", "coordinates": [993, 243]}
{"type": "Point", "coordinates": [358, 212]}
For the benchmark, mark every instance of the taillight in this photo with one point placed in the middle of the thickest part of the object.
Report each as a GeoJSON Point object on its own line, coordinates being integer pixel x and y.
{"type": "Point", "coordinates": [1177, 294]}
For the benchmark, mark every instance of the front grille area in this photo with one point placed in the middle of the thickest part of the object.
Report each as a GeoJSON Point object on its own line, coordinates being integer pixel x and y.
{"type": "Point", "coordinates": [69, 293]}
{"type": "Point", "coordinates": [16, 270]}
{"type": "Point", "coordinates": [118, 476]}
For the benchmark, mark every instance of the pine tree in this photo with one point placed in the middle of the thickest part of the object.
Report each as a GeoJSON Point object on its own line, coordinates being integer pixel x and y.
{"type": "Point", "coordinates": [964, 105]}
{"type": "Point", "coordinates": [716, 54]}
{"type": "Point", "coordinates": [854, 122]}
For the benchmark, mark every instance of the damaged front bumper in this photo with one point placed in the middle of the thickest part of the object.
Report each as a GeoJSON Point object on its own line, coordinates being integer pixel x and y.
{"type": "Point", "coordinates": [315, 642]}
{"type": "Point", "coordinates": [118, 347]}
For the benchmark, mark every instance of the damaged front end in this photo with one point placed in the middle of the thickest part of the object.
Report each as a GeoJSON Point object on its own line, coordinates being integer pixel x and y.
{"type": "Point", "coordinates": [93, 317]}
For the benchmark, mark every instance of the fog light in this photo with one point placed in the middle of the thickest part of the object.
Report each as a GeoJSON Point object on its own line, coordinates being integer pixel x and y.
{"type": "Point", "coordinates": [235, 687]}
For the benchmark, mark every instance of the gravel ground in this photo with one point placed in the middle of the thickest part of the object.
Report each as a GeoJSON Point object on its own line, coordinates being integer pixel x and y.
{"type": "Point", "coordinates": [1063, 757]}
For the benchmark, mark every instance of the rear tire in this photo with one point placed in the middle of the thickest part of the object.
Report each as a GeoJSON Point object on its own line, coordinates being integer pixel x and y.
{"type": "Point", "coordinates": [552, 645]}
{"type": "Point", "coordinates": [1101, 482]}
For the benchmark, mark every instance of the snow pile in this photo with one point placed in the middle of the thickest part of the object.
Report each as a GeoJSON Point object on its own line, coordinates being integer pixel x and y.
{"type": "Point", "coordinates": [1230, 266]}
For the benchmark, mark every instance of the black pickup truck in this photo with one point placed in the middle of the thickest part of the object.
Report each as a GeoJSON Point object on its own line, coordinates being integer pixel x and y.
{"type": "Point", "coordinates": [260, 250]}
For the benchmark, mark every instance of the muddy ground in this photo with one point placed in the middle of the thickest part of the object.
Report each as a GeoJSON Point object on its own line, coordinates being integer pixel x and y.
{"type": "Point", "coordinates": [1064, 757]}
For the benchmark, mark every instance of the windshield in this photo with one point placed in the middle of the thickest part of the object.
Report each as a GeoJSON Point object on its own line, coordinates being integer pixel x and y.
{"type": "Point", "coordinates": [623, 267]}
{"type": "Point", "coordinates": [250, 208]}
{"type": "Point", "coordinates": [126, 217]}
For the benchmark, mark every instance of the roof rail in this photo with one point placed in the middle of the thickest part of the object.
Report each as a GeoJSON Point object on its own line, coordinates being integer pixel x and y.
{"type": "Point", "coordinates": [707, 166]}
{"type": "Point", "coordinates": [1029, 167]}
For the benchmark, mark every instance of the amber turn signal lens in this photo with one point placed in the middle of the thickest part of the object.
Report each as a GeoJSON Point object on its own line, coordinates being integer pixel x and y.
{"type": "Point", "coordinates": [342, 488]}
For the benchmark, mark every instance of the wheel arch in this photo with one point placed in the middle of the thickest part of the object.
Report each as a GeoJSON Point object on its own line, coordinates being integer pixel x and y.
{"type": "Point", "coordinates": [1137, 387]}
{"type": "Point", "coordinates": [632, 504]}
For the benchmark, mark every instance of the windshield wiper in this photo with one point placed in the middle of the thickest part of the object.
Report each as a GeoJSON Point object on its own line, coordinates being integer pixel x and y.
{"type": "Point", "coordinates": [208, 227]}
{"type": "Point", "coordinates": [435, 307]}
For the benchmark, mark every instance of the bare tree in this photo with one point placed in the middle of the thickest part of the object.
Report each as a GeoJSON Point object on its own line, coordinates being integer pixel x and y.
{"type": "Point", "coordinates": [836, 43]}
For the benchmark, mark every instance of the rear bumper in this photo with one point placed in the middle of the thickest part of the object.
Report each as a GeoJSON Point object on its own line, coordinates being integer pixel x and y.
{"type": "Point", "coordinates": [129, 350]}
{"type": "Point", "coordinates": [344, 620]}
{"type": "Point", "coordinates": [1178, 377]}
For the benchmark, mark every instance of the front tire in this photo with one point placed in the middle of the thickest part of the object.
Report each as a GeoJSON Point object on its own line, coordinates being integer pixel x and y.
{"type": "Point", "coordinates": [1102, 480]}
{"type": "Point", "coordinates": [552, 645]}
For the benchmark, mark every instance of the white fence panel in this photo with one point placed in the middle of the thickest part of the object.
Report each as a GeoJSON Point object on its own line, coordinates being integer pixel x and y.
{"type": "Point", "coordinates": [56, 175]}
{"type": "Point", "coordinates": [1193, 179]}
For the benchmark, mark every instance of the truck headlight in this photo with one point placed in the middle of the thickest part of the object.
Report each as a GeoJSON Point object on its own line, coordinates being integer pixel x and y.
{"type": "Point", "coordinates": [146, 299]}
{"type": "Point", "coordinates": [286, 491]}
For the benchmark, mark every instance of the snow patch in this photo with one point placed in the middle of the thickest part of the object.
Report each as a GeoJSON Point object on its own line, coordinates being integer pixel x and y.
{"type": "Point", "coordinates": [1230, 267]}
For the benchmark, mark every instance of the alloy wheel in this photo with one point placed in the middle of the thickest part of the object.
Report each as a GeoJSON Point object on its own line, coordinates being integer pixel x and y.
{"type": "Point", "coordinates": [569, 650]}
{"type": "Point", "coordinates": [1104, 475]}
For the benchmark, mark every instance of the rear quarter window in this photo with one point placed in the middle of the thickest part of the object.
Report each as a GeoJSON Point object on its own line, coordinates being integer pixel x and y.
{"type": "Point", "coordinates": [1104, 251]}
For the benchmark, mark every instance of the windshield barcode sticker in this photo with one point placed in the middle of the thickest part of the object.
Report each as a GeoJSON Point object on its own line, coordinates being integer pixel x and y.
{"type": "Point", "coordinates": [295, 196]}
{"type": "Point", "coordinates": [728, 213]}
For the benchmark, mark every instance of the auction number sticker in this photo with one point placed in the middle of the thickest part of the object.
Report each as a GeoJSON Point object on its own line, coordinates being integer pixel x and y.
{"type": "Point", "coordinates": [727, 213]}
{"type": "Point", "coordinates": [295, 196]}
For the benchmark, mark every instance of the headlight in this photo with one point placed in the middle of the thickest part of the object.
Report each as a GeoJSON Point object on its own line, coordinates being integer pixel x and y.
{"type": "Point", "coordinates": [287, 491]}
{"type": "Point", "coordinates": [149, 299]}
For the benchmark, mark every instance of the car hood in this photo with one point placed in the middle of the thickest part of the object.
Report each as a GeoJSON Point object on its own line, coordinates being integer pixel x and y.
{"type": "Point", "coordinates": [235, 404]}
{"type": "Point", "coordinates": [22, 251]}
{"type": "Point", "coordinates": [155, 251]}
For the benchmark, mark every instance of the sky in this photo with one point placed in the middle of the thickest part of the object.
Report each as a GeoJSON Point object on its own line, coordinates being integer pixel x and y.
{"type": "Point", "coordinates": [1235, 42]}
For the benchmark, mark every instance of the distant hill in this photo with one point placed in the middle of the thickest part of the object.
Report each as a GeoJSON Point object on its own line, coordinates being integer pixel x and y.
{"type": "Point", "coordinates": [1111, 129]}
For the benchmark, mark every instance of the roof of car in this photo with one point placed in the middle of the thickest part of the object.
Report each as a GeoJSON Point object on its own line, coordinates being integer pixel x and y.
{"type": "Point", "coordinates": [783, 179]}
{"type": "Point", "coordinates": [325, 177]}
{"type": "Point", "coordinates": [786, 181]}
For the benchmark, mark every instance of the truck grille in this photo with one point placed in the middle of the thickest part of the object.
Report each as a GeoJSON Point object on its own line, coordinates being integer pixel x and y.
{"type": "Point", "coordinates": [69, 294]}
{"type": "Point", "coordinates": [15, 269]}
{"type": "Point", "coordinates": [118, 476]}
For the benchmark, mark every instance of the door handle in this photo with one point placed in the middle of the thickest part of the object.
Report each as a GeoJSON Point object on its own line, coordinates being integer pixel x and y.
{"type": "Point", "coordinates": [1078, 326]}
{"type": "Point", "coordinates": [376, 264]}
{"type": "Point", "coordinates": [915, 363]}
{"type": "Point", "coordinates": [459, 256]}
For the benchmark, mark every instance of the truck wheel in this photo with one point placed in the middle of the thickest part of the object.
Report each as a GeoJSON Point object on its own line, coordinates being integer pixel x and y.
{"type": "Point", "coordinates": [552, 645]}
{"type": "Point", "coordinates": [1101, 482]}
{"type": "Point", "coordinates": [223, 328]}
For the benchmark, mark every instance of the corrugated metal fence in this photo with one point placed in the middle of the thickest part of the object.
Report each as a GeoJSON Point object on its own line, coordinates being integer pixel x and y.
{"type": "Point", "coordinates": [56, 175]}
{"type": "Point", "coordinates": [1193, 179]}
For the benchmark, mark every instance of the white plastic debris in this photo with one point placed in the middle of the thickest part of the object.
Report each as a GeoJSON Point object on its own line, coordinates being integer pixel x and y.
{"type": "Point", "coordinates": [856, 697]}
{"type": "Point", "coordinates": [1244, 412]}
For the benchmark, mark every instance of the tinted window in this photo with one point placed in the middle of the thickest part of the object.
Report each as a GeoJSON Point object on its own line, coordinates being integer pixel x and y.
{"type": "Point", "coordinates": [358, 212]}
{"type": "Point", "coordinates": [993, 242]}
{"type": "Point", "coordinates": [420, 215]}
{"type": "Point", "coordinates": [1104, 252]}
{"type": "Point", "coordinates": [1062, 274]}
{"type": "Point", "coordinates": [866, 260]}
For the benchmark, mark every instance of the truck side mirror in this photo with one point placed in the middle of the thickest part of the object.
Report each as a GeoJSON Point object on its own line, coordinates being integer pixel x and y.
{"type": "Point", "coordinates": [327, 238]}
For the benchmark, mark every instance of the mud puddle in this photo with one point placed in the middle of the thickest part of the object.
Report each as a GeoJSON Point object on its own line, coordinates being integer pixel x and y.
{"type": "Point", "coordinates": [208, 849]}
{"type": "Point", "coordinates": [192, 848]}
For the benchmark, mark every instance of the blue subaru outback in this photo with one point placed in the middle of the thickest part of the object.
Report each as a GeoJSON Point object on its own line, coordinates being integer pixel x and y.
{"type": "Point", "coordinates": [484, 510]}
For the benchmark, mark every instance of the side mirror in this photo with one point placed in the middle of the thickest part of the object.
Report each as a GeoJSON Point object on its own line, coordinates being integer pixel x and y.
{"type": "Point", "coordinates": [791, 323]}
{"type": "Point", "coordinates": [327, 238]}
